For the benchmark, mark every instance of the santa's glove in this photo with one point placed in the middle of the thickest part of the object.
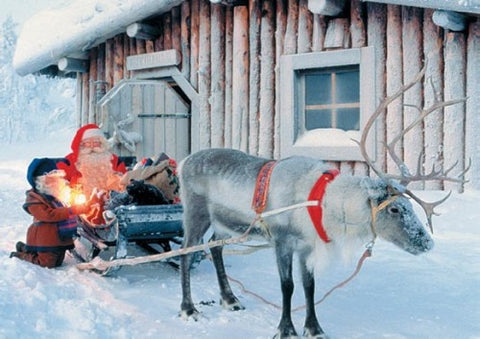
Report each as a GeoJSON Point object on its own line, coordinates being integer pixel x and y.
{"type": "Point", "coordinates": [80, 209]}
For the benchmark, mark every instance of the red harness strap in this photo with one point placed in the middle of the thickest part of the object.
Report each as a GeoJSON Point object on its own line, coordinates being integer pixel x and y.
{"type": "Point", "coordinates": [317, 192]}
{"type": "Point", "coordinates": [259, 201]}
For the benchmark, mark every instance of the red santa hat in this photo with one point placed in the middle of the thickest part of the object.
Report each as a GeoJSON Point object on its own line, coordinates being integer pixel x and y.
{"type": "Point", "coordinates": [84, 132]}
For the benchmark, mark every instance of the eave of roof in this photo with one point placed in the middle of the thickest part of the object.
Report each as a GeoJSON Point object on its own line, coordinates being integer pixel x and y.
{"type": "Point", "coordinates": [462, 6]}
{"type": "Point", "coordinates": [53, 34]}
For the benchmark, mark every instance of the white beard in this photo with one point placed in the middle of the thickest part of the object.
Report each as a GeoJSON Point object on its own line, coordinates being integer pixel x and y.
{"type": "Point", "coordinates": [54, 184]}
{"type": "Point", "coordinates": [96, 168]}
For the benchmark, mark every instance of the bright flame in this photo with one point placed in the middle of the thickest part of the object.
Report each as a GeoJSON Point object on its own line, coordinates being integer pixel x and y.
{"type": "Point", "coordinates": [72, 195]}
{"type": "Point", "coordinates": [79, 199]}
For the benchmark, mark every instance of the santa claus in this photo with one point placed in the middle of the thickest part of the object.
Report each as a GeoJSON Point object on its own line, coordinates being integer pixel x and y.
{"type": "Point", "coordinates": [91, 166]}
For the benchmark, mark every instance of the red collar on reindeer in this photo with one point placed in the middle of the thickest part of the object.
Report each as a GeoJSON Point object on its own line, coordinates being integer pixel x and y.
{"type": "Point", "coordinates": [316, 194]}
{"type": "Point", "coordinates": [259, 201]}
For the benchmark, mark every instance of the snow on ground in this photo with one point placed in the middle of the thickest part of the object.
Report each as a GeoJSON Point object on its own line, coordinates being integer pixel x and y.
{"type": "Point", "coordinates": [396, 295]}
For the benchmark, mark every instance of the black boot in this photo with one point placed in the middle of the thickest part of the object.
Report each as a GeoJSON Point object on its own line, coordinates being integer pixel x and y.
{"type": "Point", "coordinates": [13, 254]}
{"type": "Point", "coordinates": [20, 246]}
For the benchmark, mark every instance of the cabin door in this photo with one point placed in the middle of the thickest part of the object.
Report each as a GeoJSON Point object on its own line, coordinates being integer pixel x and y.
{"type": "Point", "coordinates": [145, 118]}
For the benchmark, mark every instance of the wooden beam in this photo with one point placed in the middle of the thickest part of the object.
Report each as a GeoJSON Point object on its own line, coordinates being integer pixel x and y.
{"type": "Point", "coordinates": [170, 57]}
{"type": "Point", "coordinates": [73, 65]}
{"type": "Point", "coordinates": [143, 31]}
{"type": "Point", "coordinates": [453, 21]}
{"type": "Point", "coordinates": [326, 7]}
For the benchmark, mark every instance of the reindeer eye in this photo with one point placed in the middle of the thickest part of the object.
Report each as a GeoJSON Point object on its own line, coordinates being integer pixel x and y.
{"type": "Point", "coordinates": [393, 210]}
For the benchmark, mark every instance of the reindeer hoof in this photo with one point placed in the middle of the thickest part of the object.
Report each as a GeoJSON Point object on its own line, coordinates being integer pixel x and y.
{"type": "Point", "coordinates": [190, 313]}
{"type": "Point", "coordinates": [314, 334]}
{"type": "Point", "coordinates": [234, 305]}
{"type": "Point", "coordinates": [280, 335]}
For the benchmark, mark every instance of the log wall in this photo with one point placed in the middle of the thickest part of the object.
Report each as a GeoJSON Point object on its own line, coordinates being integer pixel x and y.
{"type": "Point", "coordinates": [230, 56]}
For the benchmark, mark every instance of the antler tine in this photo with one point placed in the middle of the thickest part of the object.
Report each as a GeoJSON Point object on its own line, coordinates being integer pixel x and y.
{"type": "Point", "coordinates": [380, 109]}
{"type": "Point", "coordinates": [428, 207]}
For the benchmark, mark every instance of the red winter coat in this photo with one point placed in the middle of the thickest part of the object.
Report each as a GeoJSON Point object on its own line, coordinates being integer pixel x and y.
{"type": "Point", "coordinates": [42, 235]}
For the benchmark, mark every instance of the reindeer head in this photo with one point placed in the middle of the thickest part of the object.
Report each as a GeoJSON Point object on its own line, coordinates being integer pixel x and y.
{"type": "Point", "coordinates": [392, 213]}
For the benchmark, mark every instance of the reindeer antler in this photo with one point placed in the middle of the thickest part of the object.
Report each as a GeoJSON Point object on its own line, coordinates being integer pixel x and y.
{"type": "Point", "coordinates": [405, 177]}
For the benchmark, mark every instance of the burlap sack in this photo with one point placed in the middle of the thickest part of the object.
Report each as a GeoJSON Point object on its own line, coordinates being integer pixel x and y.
{"type": "Point", "coordinates": [163, 176]}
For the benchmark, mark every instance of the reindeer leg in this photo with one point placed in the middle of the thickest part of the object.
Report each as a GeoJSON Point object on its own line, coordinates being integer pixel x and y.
{"type": "Point", "coordinates": [195, 223]}
{"type": "Point", "coordinates": [228, 301]}
{"type": "Point", "coordinates": [284, 263]}
{"type": "Point", "coordinates": [311, 328]}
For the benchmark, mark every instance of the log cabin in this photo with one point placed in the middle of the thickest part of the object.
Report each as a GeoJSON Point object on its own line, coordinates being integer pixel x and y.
{"type": "Point", "coordinates": [271, 78]}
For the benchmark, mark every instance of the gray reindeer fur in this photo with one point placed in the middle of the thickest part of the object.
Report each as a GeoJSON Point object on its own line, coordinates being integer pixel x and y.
{"type": "Point", "coordinates": [217, 187]}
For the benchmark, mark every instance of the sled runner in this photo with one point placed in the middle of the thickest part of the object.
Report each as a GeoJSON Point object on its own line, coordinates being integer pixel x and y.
{"type": "Point", "coordinates": [154, 228]}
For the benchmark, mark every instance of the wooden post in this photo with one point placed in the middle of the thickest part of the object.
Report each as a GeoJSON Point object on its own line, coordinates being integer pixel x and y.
{"type": "Point", "coordinates": [281, 26]}
{"type": "Point", "coordinates": [79, 101]}
{"type": "Point", "coordinates": [85, 98]}
{"type": "Point", "coordinates": [359, 39]}
{"type": "Point", "coordinates": [91, 80]}
{"type": "Point", "coordinates": [204, 75]}
{"type": "Point", "coordinates": [194, 41]}
{"type": "Point", "coordinates": [290, 45]}
{"type": "Point", "coordinates": [228, 76]}
{"type": "Point", "coordinates": [140, 47]}
{"type": "Point", "coordinates": [305, 28]}
{"type": "Point", "coordinates": [267, 80]}
{"type": "Point", "coordinates": [126, 52]}
{"type": "Point", "coordinates": [454, 116]}
{"type": "Point", "coordinates": [318, 35]}
{"type": "Point", "coordinates": [240, 79]}
{"type": "Point", "coordinates": [255, 14]}
{"type": "Point", "coordinates": [433, 88]}
{"type": "Point", "coordinates": [118, 59]}
{"type": "Point", "coordinates": [100, 86]}
{"type": "Point", "coordinates": [109, 63]}
{"type": "Point", "coordinates": [185, 39]}
{"type": "Point", "coordinates": [176, 30]}
{"type": "Point", "coordinates": [217, 97]}
{"type": "Point", "coordinates": [412, 64]}
{"type": "Point", "coordinates": [472, 141]}
{"type": "Point", "coordinates": [394, 118]}
{"type": "Point", "coordinates": [377, 17]}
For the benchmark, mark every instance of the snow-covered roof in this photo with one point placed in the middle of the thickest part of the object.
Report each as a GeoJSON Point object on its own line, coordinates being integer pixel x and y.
{"type": "Point", "coordinates": [463, 6]}
{"type": "Point", "coordinates": [76, 27]}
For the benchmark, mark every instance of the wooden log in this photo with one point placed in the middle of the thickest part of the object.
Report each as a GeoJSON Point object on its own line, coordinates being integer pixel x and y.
{"type": "Point", "coordinates": [92, 78]}
{"type": "Point", "coordinates": [305, 28]}
{"type": "Point", "coordinates": [118, 59]}
{"type": "Point", "coordinates": [267, 81]}
{"type": "Point", "coordinates": [240, 79]}
{"type": "Point", "coordinates": [412, 64]}
{"type": "Point", "coordinates": [319, 30]}
{"type": "Point", "coordinates": [126, 52]}
{"type": "Point", "coordinates": [358, 39]}
{"type": "Point", "coordinates": [140, 47]}
{"type": "Point", "coordinates": [377, 17]}
{"type": "Point", "coordinates": [167, 31]}
{"type": "Point", "coordinates": [290, 44]}
{"type": "Point", "coordinates": [281, 26]}
{"type": "Point", "coordinates": [195, 43]}
{"type": "Point", "coordinates": [394, 117]}
{"type": "Point", "coordinates": [433, 89]}
{"type": "Point", "coordinates": [73, 65]}
{"type": "Point", "coordinates": [357, 25]}
{"type": "Point", "coordinates": [176, 30]}
{"type": "Point", "coordinates": [185, 39]}
{"type": "Point", "coordinates": [472, 126]}
{"type": "Point", "coordinates": [100, 85]}
{"type": "Point", "coordinates": [204, 74]}
{"type": "Point", "coordinates": [158, 42]}
{"type": "Point", "coordinates": [85, 97]}
{"type": "Point", "coordinates": [132, 51]}
{"type": "Point", "coordinates": [450, 20]}
{"type": "Point", "coordinates": [326, 7]}
{"type": "Point", "coordinates": [338, 35]}
{"type": "Point", "coordinates": [143, 31]}
{"type": "Point", "coordinates": [255, 14]}
{"type": "Point", "coordinates": [217, 96]}
{"type": "Point", "coordinates": [109, 63]}
{"type": "Point", "coordinates": [228, 76]}
{"type": "Point", "coordinates": [454, 116]}
{"type": "Point", "coordinates": [79, 101]}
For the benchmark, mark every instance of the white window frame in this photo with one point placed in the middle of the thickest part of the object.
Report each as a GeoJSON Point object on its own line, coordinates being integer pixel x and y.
{"type": "Point", "coordinates": [327, 144]}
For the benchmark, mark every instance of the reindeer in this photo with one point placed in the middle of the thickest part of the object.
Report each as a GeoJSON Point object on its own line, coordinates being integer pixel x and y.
{"type": "Point", "coordinates": [217, 186]}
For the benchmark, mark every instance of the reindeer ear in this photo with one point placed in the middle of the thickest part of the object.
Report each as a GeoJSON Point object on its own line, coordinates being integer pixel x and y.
{"type": "Point", "coordinates": [376, 189]}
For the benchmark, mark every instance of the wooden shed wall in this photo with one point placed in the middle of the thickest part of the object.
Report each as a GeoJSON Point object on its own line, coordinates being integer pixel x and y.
{"type": "Point", "coordinates": [229, 55]}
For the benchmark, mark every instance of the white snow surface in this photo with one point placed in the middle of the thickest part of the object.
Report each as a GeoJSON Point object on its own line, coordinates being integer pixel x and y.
{"type": "Point", "coordinates": [395, 295]}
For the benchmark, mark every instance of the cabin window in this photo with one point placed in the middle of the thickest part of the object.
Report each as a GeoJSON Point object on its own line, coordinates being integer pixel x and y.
{"type": "Point", "coordinates": [325, 101]}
